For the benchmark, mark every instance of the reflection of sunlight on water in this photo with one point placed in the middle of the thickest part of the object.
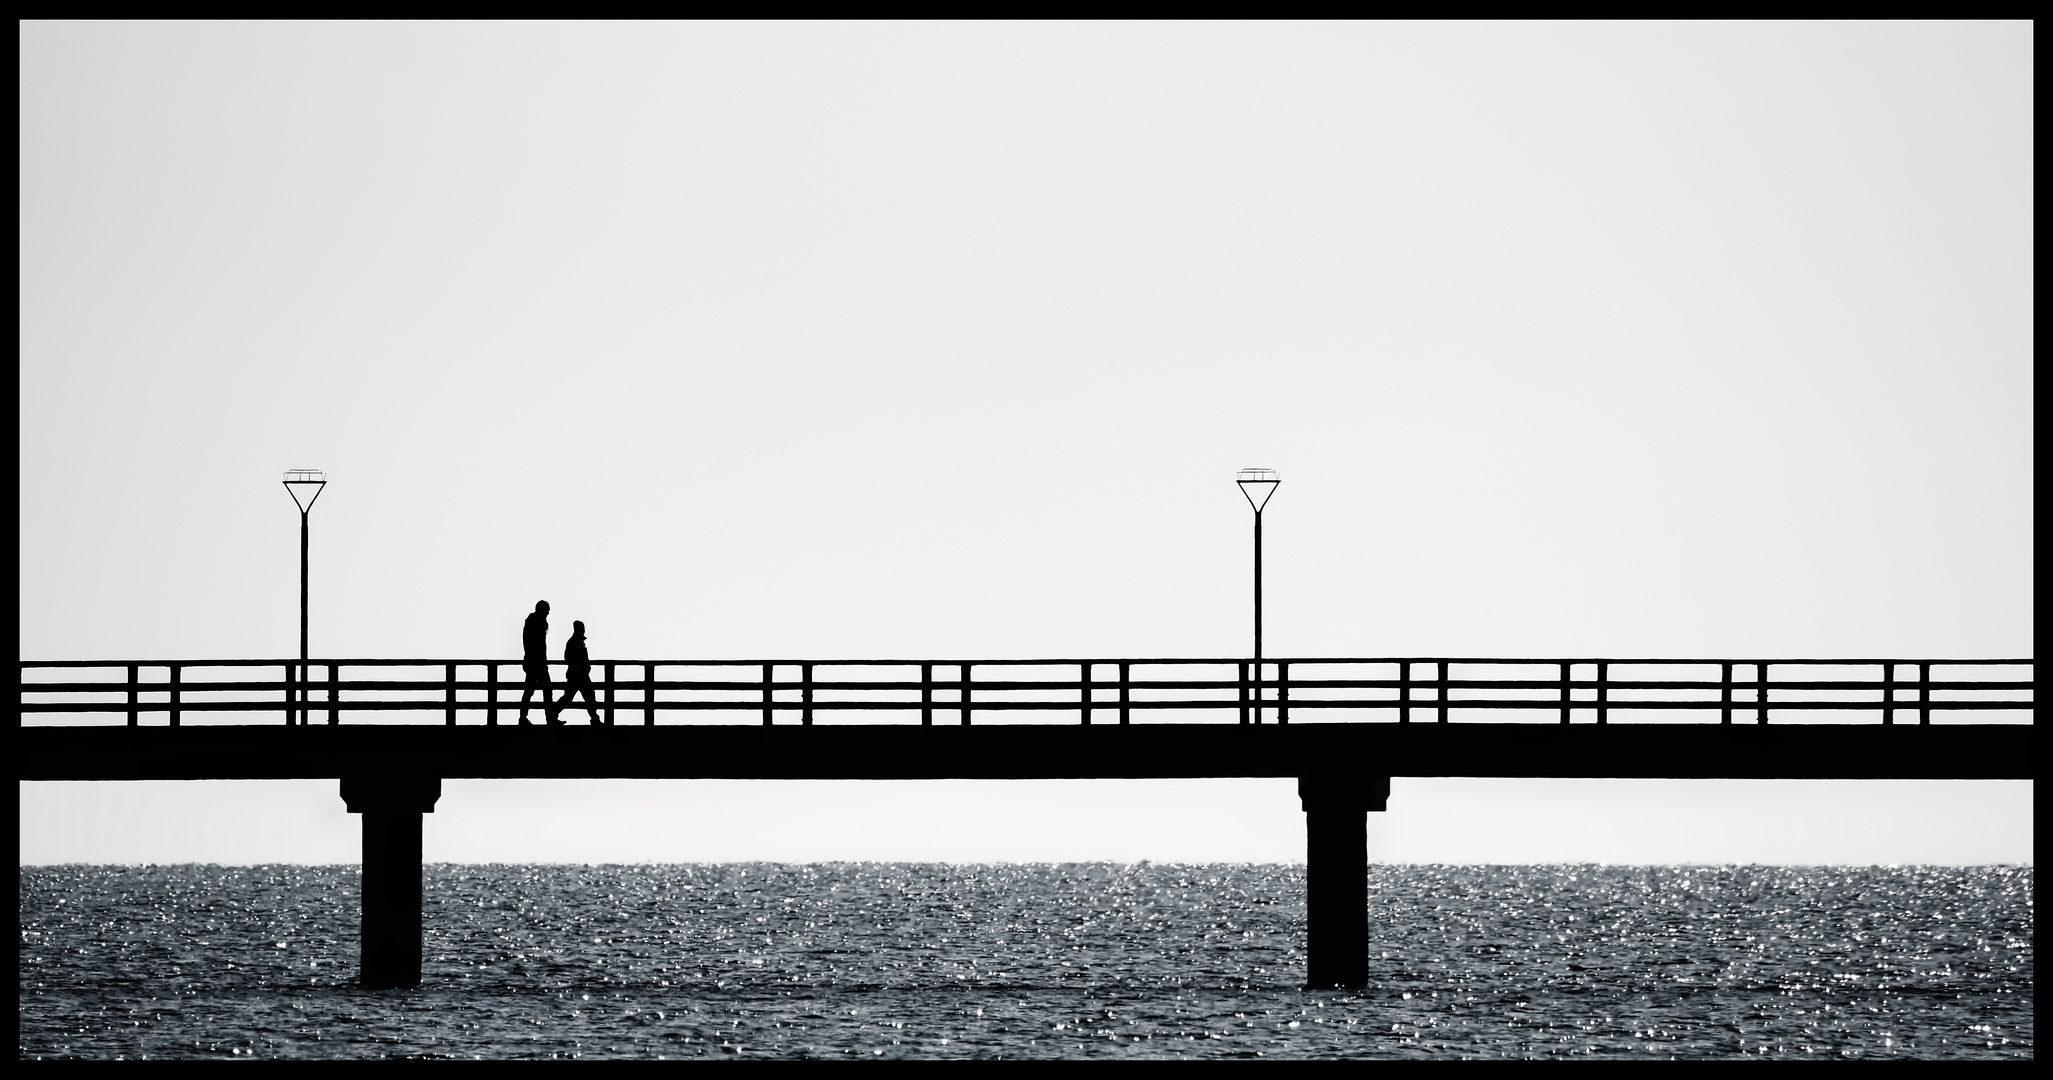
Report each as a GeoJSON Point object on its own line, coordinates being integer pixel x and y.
{"type": "Point", "coordinates": [1033, 961]}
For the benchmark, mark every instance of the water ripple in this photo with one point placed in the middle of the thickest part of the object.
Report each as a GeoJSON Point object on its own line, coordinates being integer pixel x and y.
{"type": "Point", "coordinates": [1075, 960]}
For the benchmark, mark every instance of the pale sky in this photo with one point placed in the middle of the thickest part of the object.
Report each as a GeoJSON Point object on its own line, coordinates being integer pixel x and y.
{"type": "Point", "coordinates": [917, 340]}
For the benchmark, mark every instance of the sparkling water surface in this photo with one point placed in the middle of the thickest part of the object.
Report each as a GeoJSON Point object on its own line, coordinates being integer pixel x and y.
{"type": "Point", "coordinates": [868, 960]}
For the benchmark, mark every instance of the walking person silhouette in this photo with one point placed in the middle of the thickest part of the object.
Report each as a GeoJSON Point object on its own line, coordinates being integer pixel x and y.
{"type": "Point", "coordinates": [577, 678]}
{"type": "Point", "coordinates": [534, 659]}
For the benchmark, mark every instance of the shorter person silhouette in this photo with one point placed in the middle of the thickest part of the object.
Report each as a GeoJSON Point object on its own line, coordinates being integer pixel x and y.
{"type": "Point", "coordinates": [534, 659]}
{"type": "Point", "coordinates": [577, 678]}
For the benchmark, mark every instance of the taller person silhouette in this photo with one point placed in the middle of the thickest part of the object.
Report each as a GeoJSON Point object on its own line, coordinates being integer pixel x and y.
{"type": "Point", "coordinates": [534, 659]}
{"type": "Point", "coordinates": [577, 675]}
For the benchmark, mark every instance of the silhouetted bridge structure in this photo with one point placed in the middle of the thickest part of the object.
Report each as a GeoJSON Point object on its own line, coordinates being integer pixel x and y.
{"type": "Point", "coordinates": [391, 730]}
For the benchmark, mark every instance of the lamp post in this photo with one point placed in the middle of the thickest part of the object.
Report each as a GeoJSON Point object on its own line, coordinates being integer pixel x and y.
{"type": "Point", "coordinates": [304, 485]}
{"type": "Point", "coordinates": [1258, 485]}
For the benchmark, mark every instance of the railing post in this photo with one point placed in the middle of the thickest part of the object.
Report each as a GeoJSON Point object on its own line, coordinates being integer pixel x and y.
{"type": "Point", "coordinates": [1404, 691]}
{"type": "Point", "coordinates": [1888, 693]}
{"type": "Point", "coordinates": [334, 691]}
{"type": "Point", "coordinates": [609, 693]}
{"type": "Point", "coordinates": [1925, 693]}
{"type": "Point", "coordinates": [1283, 691]}
{"type": "Point", "coordinates": [293, 707]}
{"type": "Point", "coordinates": [769, 692]}
{"type": "Point", "coordinates": [1725, 692]}
{"type": "Point", "coordinates": [965, 693]}
{"type": "Point", "coordinates": [491, 693]}
{"type": "Point", "coordinates": [1084, 684]}
{"type": "Point", "coordinates": [1125, 698]}
{"type": "Point", "coordinates": [1567, 692]}
{"type": "Point", "coordinates": [449, 709]}
{"type": "Point", "coordinates": [649, 694]}
{"type": "Point", "coordinates": [171, 702]}
{"type": "Point", "coordinates": [927, 695]}
{"type": "Point", "coordinates": [134, 696]}
{"type": "Point", "coordinates": [1243, 691]}
{"type": "Point", "coordinates": [805, 692]}
{"type": "Point", "coordinates": [1603, 692]}
{"type": "Point", "coordinates": [1443, 691]}
{"type": "Point", "coordinates": [1760, 692]}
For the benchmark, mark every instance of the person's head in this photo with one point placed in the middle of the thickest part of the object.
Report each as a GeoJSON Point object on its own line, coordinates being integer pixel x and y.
{"type": "Point", "coordinates": [541, 607]}
{"type": "Point", "coordinates": [577, 628]}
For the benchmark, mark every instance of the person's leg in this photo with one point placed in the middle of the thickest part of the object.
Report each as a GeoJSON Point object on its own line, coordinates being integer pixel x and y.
{"type": "Point", "coordinates": [538, 681]}
{"type": "Point", "coordinates": [571, 689]}
{"type": "Point", "coordinates": [591, 703]}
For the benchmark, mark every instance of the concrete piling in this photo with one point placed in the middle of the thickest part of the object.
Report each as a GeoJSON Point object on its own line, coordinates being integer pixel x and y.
{"type": "Point", "coordinates": [1337, 875]}
{"type": "Point", "coordinates": [390, 947]}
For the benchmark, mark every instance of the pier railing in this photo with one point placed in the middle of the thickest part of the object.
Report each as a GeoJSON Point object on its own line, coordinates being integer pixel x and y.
{"type": "Point", "coordinates": [1071, 691]}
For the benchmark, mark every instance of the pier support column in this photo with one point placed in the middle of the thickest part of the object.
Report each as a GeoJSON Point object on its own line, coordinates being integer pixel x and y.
{"type": "Point", "coordinates": [390, 949]}
{"type": "Point", "coordinates": [1337, 875]}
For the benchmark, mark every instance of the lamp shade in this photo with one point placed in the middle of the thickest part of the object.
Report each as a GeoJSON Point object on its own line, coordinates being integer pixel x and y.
{"type": "Point", "coordinates": [305, 485]}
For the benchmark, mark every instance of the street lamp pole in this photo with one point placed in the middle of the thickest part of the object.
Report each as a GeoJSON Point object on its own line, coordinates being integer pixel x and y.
{"type": "Point", "coordinates": [1258, 485]}
{"type": "Point", "coordinates": [304, 485]}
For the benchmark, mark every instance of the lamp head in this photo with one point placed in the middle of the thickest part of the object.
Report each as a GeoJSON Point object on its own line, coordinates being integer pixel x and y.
{"type": "Point", "coordinates": [1258, 485]}
{"type": "Point", "coordinates": [305, 485]}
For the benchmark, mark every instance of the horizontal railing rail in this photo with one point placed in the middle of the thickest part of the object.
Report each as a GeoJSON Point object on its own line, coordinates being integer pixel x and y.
{"type": "Point", "coordinates": [1309, 689]}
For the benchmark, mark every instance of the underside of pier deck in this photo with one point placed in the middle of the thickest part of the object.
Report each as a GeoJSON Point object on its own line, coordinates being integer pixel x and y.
{"type": "Point", "coordinates": [885, 752]}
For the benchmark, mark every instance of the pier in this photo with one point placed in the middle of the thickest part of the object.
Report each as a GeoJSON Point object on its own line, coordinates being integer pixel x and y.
{"type": "Point", "coordinates": [390, 731]}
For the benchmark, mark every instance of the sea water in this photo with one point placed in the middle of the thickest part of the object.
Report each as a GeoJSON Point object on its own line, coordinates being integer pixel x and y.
{"type": "Point", "coordinates": [869, 960]}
